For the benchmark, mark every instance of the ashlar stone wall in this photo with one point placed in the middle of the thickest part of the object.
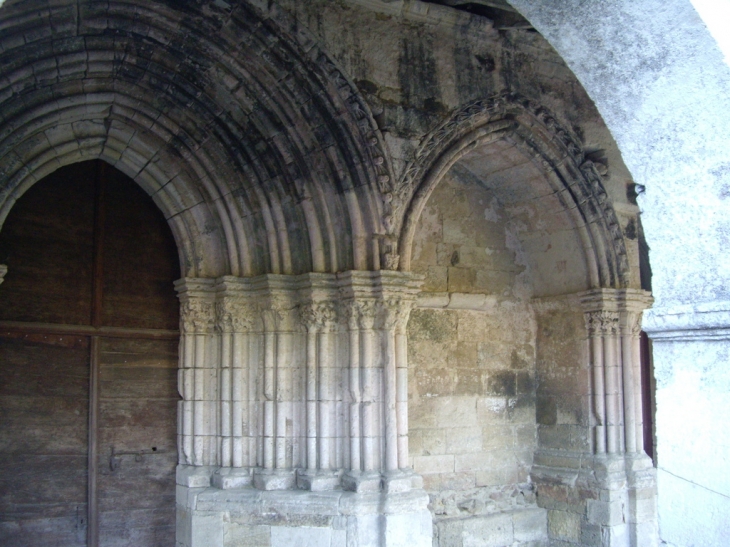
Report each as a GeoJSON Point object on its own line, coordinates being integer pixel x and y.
{"type": "Point", "coordinates": [472, 372]}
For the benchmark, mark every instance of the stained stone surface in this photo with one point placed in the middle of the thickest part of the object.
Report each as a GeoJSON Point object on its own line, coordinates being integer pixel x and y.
{"type": "Point", "coordinates": [299, 150]}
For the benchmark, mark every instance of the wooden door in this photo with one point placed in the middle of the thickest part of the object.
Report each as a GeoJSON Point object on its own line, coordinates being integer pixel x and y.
{"type": "Point", "coordinates": [88, 365]}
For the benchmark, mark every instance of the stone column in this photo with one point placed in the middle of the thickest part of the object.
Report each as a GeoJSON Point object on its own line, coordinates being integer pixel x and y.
{"type": "Point", "coordinates": [323, 373]}
{"type": "Point", "coordinates": [302, 386]}
{"type": "Point", "coordinates": [198, 378]}
{"type": "Point", "coordinates": [280, 353]}
{"type": "Point", "coordinates": [238, 319]}
{"type": "Point", "coordinates": [591, 470]}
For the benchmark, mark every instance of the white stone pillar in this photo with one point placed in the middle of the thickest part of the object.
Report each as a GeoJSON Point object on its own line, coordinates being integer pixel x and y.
{"type": "Point", "coordinates": [589, 419]}
{"type": "Point", "coordinates": [280, 352]}
{"type": "Point", "coordinates": [613, 325]}
{"type": "Point", "coordinates": [320, 319]}
{"type": "Point", "coordinates": [198, 374]}
{"type": "Point", "coordinates": [307, 381]}
{"type": "Point", "coordinates": [237, 316]}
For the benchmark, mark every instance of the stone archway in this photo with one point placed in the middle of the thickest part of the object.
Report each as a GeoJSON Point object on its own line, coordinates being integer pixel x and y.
{"type": "Point", "coordinates": [89, 336]}
{"type": "Point", "coordinates": [268, 164]}
{"type": "Point", "coordinates": [229, 136]}
{"type": "Point", "coordinates": [660, 82]}
{"type": "Point", "coordinates": [528, 253]}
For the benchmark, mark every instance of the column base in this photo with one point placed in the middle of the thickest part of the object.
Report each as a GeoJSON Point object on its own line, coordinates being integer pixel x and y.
{"type": "Point", "coordinates": [318, 481]}
{"type": "Point", "coordinates": [274, 479]}
{"type": "Point", "coordinates": [227, 478]}
{"type": "Point", "coordinates": [597, 500]}
{"type": "Point", "coordinates": [205, 516]}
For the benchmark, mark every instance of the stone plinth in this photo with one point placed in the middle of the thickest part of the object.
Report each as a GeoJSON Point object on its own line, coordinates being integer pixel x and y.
{"type": "Point", "coordinates": [336, 518]}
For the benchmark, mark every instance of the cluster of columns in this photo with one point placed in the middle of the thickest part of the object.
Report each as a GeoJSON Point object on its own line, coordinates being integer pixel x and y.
{"type": "Point", "coordinates": [613, 325]}
{"type": "Point", "coordinates": [296, 381]}
{"type": "Point", "coordinates": [590, 468]}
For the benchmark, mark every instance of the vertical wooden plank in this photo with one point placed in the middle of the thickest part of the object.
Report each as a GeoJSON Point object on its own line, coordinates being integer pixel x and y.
{"type": "Point", "coordinates": [47, 243]}
{"type": "Point", "coordinates": [43, 440]}
{"type": "Point", "coordinates": [97, 290]}
{"type": "Point", "coordinates": [97, 299]}
{"type": "Point", "coordinates": [138, 414]}
{"type": "Point", "coordinates": [140, 260]}
{"type": "Point", "coordinates": [93, 502]}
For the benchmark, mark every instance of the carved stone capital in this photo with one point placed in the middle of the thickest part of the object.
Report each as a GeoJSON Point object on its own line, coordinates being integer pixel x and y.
{"type": "Point", "coordinates": [602, 322]}
{"type": "Point", "coordinates": [360, 314]}
{"type": "Point", "coordinates": [393, 313]}
{"type": "Point", "coordinates": [197, 316]}
{"type": "Point", "coordinates": [275, 318]}
{"type": "Point", "coordinates": [321, 316]}
{"type": "Point", "coordinates": [235, 315]}
{"type": "Point", "coordinates": [635, 324]}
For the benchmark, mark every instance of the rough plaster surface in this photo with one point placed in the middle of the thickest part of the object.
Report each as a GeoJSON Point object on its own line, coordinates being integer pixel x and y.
{"type": "Point", "coordinates": [659, 80]}
{"type": "Point", "coordinates": [654, 65]}
{"type": "Point", "coordinates": [508, 377]}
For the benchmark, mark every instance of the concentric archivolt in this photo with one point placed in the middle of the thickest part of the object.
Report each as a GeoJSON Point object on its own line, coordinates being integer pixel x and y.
{"type": "Point", "coordinates": [573, 179]}
{"type": "Point", "coordinates": [260, 152]}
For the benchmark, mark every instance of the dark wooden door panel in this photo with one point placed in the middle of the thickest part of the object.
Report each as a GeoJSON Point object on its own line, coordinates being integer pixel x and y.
{"type": "Point", "coordinates": [137, 442]}
{"type": "Point", "coordinates": [43, 440]}
{"type": "Point", "coordinates": [87, 249]}
{"type": "Point", "coordinates": [140, 259]}
{"type": "Point", "coordinates": [47, 244]}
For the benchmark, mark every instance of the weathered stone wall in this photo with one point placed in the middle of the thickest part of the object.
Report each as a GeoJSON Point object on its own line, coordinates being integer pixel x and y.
{"type": "Point", "coordinates": [653, 64]}
{"type": "Point", "coordinates": [490, 381]}
{"type": "Point", "coordinates": [472, 372]}
{"type": "Point", "coordinates": [416, 62]}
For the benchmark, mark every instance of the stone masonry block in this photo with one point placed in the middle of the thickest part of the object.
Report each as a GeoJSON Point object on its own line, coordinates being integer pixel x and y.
{"type": "Point", "coordinates": [463, 440]}
{"type": "Point", "coordinates": [434, 464]}
{"type": "Point", "coordinates": [606, 513]}
{"type": "Point", "coordinates": [283, 536]}
{"type": "Point", "coordinates": [478, 461]}
{"type": "Point", "coordinates": [408, 529]}
{"type": "Point", "coordinates": [237, 535]}
{"type": "Point", "coordinates": [530, 524]}
{"type": "Point", "coordinates": [489, 531]}
{"type": "Point", "coordinates": [564, 525]}
{"type": "Point", "coordinates": [206, 528]}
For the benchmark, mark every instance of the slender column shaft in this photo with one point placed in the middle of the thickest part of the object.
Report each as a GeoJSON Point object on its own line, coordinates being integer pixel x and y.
{"type": "Point", "coordinates": [186, 392]}
{"type": "Point", "coordinates": [199, 429]}
{"type": "Point", "coordinates": [370, 425]}
{"type": "Point", "coordinates": [238, 393]}
{"type": "Point", "coordinates": [326, 402]}
{"type": "Point", "coordinates": [401, 387]}
{"type": "Point", "coordinates": [599, 397]}
{"type": "Point", "coordinates": [226, 447]}
{"type": "Point", "coordinates": [355, 433]}
{"type": "Point", "coordinates": [629, 393]}
{"type": "Point", "coordinates": [311, 398]}
{"type": "Point", "coordinates": [269, 418]}
{"type": "Point", "coordinates": [612, 400]}
{"type": "Point", "coordinates": [391, 418]}
{"type": "Point", "coordinates": [638, 403]}
{"type": "Point", "coordinates": [283, 457]}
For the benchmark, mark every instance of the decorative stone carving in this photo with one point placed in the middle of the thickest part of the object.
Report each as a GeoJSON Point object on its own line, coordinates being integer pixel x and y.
{"type": "Point", "coordinates": [319, 315]}
{"type": "Point", "coordinates": [360, 314]}
{"type": "Point", "coordinates": [372, 137]}
{"type": "Point", "coordinates": [602, 322]}
{"type": "Point", "coordinates": [535, 130]}
{"type": "Point", "coordinates": [393, 313]}
{"type": "Point", "coordinates": [235, 315]}
{"type": "Point", "coordinates": [197, 316]}
{"type": "Point", "coordinates": [3, 271]}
